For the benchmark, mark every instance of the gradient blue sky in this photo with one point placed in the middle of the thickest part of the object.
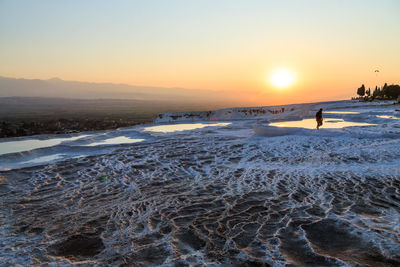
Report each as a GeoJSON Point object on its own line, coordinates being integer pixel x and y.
{"type": "Point", "coordinates": [333, 46]}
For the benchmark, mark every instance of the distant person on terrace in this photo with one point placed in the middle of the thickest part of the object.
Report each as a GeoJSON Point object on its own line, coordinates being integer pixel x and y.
{"type": "Point", "coordinates": [318, 117]}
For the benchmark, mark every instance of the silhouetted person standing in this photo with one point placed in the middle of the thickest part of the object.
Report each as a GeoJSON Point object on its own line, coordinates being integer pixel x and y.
{"type": "Point", "coordinates": [318, 117]}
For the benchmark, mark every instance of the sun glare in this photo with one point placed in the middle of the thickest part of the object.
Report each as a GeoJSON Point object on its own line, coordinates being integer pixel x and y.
{"type": "Point", "coordinates": [282, 78]}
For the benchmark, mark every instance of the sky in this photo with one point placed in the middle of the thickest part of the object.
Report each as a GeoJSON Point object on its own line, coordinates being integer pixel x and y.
{"type": "Point", "coordinates": [332, 47]}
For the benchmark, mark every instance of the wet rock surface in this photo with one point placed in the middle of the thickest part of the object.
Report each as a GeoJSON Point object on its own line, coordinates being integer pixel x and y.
{"type": "Point", "coordinates": [212, 200]}
{"type": "Point", "coordinates": [78, 246]}
{"type": "Point", "coordinates": [340, 239]}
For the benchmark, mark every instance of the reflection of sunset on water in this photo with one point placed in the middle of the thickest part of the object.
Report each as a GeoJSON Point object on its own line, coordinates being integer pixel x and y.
{"type": "Point", "coordinates": [182, 127]}
{"type": "Point", "coordinates": [328, 123]}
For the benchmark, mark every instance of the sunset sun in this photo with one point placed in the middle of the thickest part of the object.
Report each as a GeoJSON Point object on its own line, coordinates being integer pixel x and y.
{"type": "Point", "coordinates": [282, 78]}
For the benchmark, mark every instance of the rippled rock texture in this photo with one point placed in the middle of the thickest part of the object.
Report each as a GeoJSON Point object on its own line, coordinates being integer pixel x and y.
{"type": "Point", "coordinates": [209, 200]}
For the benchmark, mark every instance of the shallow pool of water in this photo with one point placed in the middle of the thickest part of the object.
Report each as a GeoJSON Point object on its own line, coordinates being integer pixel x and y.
{"type": "Point", "coordinates": [30, 144]}
{"type": "Point", "coordinates": [116, 141]}
{"type": "Point", "coordinates": [312, 124]}
{"type": "Point", "coordinates": [387, 117]}
{"type": "Point", "coordinates": [44, 159]}
{"type": "Point", "coordinates": [182, 127]}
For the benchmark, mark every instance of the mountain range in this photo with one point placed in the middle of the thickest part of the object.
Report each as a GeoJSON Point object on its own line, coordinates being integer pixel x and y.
{"type": "Point", "coordinates": [58, 88]}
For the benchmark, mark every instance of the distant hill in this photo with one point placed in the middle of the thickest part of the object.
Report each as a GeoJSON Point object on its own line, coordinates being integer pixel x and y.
{"type": "Point", "coordinates": [57, 88]}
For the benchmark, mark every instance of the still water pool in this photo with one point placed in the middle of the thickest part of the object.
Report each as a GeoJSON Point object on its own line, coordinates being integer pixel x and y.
{"type": "Point", "coordinates": [182, 127]}
{"type": "Point", "coordinates": [312, 124]}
